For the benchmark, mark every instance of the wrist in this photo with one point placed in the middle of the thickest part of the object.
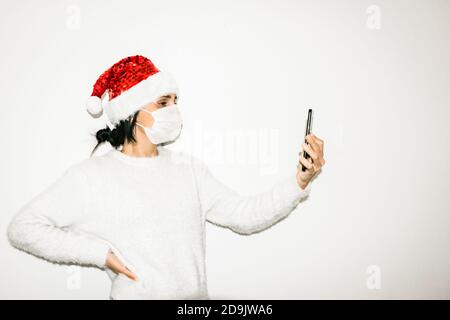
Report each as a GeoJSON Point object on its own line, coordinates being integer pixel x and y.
{"type": "Point", "coordinates": [302, 184]}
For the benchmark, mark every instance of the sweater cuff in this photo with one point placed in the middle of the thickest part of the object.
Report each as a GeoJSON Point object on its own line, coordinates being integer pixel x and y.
{"type": "Point", "coordinates": [97, 253]}
{"type": "Point", "coordinates": [288, 194]}
{"type": "Point", "coordinates": [293, 190]}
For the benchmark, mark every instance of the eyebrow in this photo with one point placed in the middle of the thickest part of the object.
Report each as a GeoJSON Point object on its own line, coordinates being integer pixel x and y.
{"type": "Point", "coordinates": [168, 96]}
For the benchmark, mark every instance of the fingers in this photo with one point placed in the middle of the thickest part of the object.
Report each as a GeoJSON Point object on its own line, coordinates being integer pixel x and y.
{"type": "Point", "coordinates": [317, 145]}
{"type": "Point", "coordinates": [127, 272]}
{"type": "Point", "coordinates": [118, 267]}
{"type": "Point", "coordinates": [314, 148]}
{"type": "Point", "coordinates": [130, 274]}
{"type": "Point", "coordinates": [310, 151]}
{"type": "Point", "coordinates": [306, 162]}
{"type": "Point", "coordinates": [316, 139]}
{"type": "Point", "coordinates": [314, 143]}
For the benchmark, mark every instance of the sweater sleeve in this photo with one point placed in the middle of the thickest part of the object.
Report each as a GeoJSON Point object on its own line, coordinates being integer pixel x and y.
{"type": "Point", "coordinates": [42, 227]}
{"type": "Point", "coordinates": [246, 214]}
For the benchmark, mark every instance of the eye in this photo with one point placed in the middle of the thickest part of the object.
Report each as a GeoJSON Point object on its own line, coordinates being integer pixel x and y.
{"type": "Point", "coordinates": [164, 103]}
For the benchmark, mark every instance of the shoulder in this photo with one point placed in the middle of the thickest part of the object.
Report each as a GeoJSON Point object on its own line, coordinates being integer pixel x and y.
{"type": "Point", "coordinates": [88, 166]}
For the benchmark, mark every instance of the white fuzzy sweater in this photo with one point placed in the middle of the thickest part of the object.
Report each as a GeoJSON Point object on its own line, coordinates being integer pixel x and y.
{"type": "Point", "coordinates": [151, 211]}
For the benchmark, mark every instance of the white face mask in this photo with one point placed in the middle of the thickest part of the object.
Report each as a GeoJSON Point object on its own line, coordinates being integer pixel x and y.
{"type": "Point", "coordinates": [166, 126]}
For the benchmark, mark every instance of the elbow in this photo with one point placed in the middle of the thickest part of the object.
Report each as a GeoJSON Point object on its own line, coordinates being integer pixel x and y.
{"type": "Point", "coordinates": [15, 232]}
{"type": "Point", "coordinates": [244, 230]}
{"type": "Point", "coordinates": [251, 227]}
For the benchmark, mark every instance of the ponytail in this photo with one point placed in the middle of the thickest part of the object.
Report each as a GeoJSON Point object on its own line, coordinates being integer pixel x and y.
{"type": "Point", "coordinates": [121, 133]}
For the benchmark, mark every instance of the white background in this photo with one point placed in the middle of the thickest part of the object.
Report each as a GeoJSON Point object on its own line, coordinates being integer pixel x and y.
{"type": "Point", "coordinates": [376, 74]}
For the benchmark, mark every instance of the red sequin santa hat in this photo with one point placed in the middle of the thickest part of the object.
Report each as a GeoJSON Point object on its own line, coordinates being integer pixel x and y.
{"type": "Point", "coordinates": [130, 84]}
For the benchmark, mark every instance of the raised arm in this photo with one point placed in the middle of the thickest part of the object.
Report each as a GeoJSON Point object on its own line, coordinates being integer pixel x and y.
{"type": "Point", "coordinates": [246, 214]}
{"type": "Point", "coordinates": [42, 227]}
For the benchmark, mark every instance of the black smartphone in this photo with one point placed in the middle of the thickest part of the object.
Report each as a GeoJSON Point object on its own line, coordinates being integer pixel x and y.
{"type": "Point", "coordinates": [308, 131]}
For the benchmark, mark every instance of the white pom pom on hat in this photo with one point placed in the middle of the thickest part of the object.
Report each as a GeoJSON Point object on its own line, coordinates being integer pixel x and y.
{"type": "Point", "coordinates": [94, 105]}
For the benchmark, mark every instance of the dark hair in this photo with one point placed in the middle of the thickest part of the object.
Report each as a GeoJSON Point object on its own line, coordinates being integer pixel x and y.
{"type": "Point", "coordinates": [122, 132]}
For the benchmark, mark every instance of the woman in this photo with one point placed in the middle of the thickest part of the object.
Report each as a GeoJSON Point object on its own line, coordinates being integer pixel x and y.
{"type": "Point", "coordinates": [139, 213]}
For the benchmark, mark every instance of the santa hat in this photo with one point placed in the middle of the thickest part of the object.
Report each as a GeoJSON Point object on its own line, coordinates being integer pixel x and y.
{"type": "Point", "coordinates": [130, 84]}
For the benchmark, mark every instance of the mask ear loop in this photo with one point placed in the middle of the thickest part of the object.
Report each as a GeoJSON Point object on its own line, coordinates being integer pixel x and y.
{"type": "Point", "coordinates": [149, 112]}
{"type": "Point", "coordinates": [140, 125]}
